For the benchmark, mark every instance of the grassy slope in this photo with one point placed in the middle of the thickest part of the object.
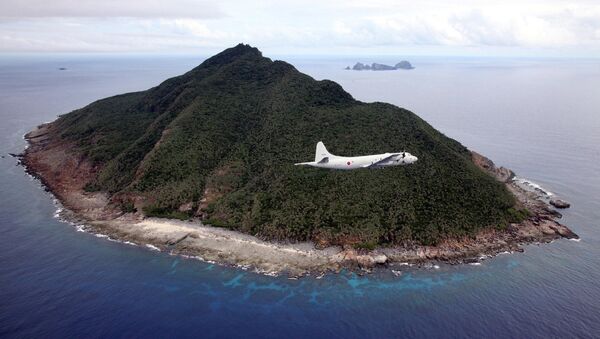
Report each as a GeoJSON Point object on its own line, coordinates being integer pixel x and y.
{"type": "Point", "coordinates": [240, 121]}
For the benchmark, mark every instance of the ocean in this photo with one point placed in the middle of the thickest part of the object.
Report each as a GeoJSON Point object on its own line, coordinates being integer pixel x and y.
{"type": "Point", "coordinates": [539, 117]}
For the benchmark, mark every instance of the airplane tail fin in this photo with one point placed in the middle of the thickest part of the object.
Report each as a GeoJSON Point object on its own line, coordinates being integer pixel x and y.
{"type": "Point", "coordinates": [321, 152]}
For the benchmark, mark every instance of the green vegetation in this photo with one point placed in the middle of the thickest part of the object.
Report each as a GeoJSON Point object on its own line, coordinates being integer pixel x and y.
{"type": "Point", "coordinates": [128, 207]}
{"type": "Point", "coordinates": [230, 131]}
{"type": "Point", "coordinates": [91, 187]}
{"type": "Point", "coordinates": [366, 246]}
{"type": "Point", "coordinates": [162, 212]}
{"type": "Point", "coordinates": [216, 223]}
{"type": "Point", "coordinates": [518, 215]}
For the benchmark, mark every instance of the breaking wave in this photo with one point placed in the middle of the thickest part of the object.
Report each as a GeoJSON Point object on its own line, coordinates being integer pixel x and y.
{"type": "Point", "coordinates": [532, 186]}
{"type": "Point", "coordinates": [152, 247]}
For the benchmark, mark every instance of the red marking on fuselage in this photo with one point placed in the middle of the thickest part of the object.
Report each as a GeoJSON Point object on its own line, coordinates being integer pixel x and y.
{"type": "Point", "coordinates": [348, 163]}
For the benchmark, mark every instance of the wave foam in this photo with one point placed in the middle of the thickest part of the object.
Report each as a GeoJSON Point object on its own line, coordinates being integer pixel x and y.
{"type": "Point", "coordinates": [195, 257]}
{"type": "Point", "coordinates": [431, 266]}
{"type": "Point", "coordinates": [533, 186]}
{"type": "Point", "coordinates": [266, 272]}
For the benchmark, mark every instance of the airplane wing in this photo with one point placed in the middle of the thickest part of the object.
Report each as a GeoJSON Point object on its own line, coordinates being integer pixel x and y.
{"type": "Point", "coordinates": [375, 163]}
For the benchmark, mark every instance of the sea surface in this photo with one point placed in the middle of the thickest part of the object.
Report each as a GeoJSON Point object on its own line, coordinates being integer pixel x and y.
{"type": "Point", "coordinates": [539, 117]}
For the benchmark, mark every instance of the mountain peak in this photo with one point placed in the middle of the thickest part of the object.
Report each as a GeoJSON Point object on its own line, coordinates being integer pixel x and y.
{"type": "Point", "coordinates": [245, 48]}
{"type": "Point", "coordinates": [233, 53]}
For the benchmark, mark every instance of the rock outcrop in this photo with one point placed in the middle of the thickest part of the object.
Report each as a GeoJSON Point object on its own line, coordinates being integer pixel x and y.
{"type": "Point", "coordinates": [380, 67]}
{"type": "Point", "coordinates": [503, 174]}
{"type": "Point", "coordinates": [404, 65]}
{"type": "Point", "coordinates": [558, 203]}
{"type": "Point", "coordinates": [360, 67]}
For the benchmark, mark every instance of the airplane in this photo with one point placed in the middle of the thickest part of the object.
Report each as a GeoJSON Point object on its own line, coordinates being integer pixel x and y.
{"type": "Point", "coordinates": [324, 159]}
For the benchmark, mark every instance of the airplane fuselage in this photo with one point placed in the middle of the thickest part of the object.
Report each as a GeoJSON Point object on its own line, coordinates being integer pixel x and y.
{"type": "Point", "coordinates": [324, 159]}
{"type": "Point", "coordinates": [365, 161]}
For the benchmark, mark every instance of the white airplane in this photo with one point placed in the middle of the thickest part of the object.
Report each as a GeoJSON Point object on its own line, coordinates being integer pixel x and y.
{"type": "Point", "coordinates": [324, 159]}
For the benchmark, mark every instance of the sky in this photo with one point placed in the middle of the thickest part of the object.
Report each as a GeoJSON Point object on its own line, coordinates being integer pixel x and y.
{"type": "Point", "coordinates": [533, 28]}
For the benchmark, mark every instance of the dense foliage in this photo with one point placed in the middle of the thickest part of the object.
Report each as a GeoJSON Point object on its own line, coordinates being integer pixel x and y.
{"type": "Point", "coordinates": [221, 141]}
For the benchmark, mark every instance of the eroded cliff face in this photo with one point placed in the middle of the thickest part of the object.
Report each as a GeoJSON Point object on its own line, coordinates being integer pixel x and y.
{"type": "Point", "coordinates": [65, 172]}
{"type": "Point", "coordinates": [501, 174]}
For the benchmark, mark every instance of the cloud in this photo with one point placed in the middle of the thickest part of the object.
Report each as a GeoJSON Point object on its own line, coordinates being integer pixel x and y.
{"type": "Point", "coordinates": [351, 26]}
{"type": "Point", "coordinates": [19, 9]}
{"type": "Point", "coordinates": [109, 35]}
{"type": "Point", "coordinates": [536, 25]}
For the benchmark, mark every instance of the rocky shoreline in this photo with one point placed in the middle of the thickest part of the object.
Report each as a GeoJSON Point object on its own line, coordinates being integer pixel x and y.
{"type": "Point", "coordinates": [65, 173]}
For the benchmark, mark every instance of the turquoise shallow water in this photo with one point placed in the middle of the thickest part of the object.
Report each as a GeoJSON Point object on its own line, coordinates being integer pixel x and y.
{"type": "Point", "coordinates": [538, 117]}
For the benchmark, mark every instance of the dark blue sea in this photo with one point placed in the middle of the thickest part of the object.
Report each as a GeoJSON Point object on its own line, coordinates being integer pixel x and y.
{"type": "Point", "coordinates": [539, 117]}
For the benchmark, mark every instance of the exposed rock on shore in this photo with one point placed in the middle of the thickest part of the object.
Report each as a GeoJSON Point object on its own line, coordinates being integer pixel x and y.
{"type": "Point", "coordinates": [502, 174]}
{"type": "Point", "coordinates": [558, 203]}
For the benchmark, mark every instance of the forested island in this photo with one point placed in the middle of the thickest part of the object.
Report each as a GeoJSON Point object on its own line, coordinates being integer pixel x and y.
{"type": "Point", "coordinates": [202, 165]}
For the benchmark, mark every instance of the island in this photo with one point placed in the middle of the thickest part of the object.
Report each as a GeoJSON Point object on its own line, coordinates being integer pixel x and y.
{"type": "Point", "coordinates": [380, 67]}
{"type": "Point", "coordinates": [202, 165]}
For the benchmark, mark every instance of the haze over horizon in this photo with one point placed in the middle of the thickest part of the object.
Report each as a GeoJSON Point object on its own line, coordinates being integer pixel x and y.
{"type": "Point", "coordinates": [430, 27]}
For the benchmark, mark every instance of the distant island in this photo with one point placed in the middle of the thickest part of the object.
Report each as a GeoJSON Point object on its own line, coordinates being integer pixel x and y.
{"type": "Point", "coordinates": [202, 165]}
{"type": "Point", "coordinates": [380, 67]}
